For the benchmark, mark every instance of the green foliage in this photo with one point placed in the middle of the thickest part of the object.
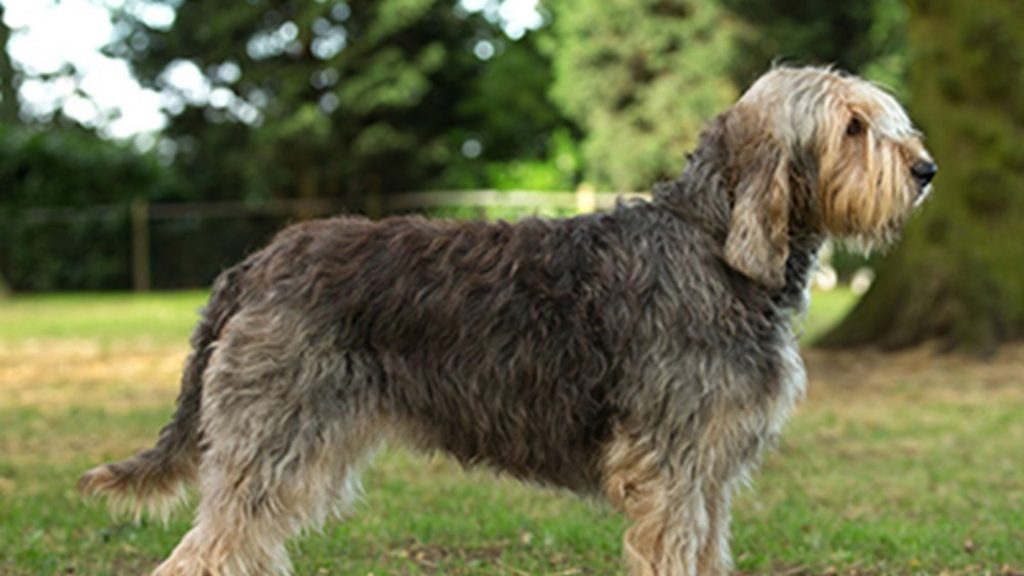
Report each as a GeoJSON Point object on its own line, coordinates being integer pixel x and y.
{"type": "Point", "coordinates": [524, 141]}
{"type": "Point", "coordinates": [302, 99]}
{"type": "Point", "coordinates": [804, 31]}
{"type": "Point", "coordinates": [888, 37]}
{"type": "Point", "coordinates": [85, 246]}
{"type": "Point", "coordinates": [541, 175]}
{"type": "Point", "coordinates": [321, 94]}
{"type": "Point", "coordinates": [641, 78]}
{"type": "Point", "coordinates": [558, 170]}
{"type": "Point", "coordinates": [507, 105]}
{"type": "Point", "coordinates": [342, 99]}
{"type": "Point", "coordinates": [347, 99]}
{"type": "Point", "coordinates": [868, 38]}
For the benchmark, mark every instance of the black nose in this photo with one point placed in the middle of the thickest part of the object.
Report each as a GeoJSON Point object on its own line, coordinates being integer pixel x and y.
{"type": "Point", "coordinates": [924, 171]}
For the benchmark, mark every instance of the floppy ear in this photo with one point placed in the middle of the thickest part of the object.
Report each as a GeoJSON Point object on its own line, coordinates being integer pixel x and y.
{"type": "Point", "coordinates": [757, 243]}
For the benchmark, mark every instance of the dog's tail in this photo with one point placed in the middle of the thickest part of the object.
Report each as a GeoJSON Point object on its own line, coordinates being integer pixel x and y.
{"type": "Point", "coordinates": [154, 478]}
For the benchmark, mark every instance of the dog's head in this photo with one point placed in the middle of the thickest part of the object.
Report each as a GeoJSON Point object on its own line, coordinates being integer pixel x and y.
{"type": "Point", "coordinates": [815, 149]}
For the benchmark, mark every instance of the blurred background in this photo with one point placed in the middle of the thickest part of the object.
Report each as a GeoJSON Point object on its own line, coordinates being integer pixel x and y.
{"type": "Point", "coordinates": [147, 144]}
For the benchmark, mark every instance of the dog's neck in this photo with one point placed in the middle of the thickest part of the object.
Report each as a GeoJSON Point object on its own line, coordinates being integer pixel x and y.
{"type": "Point", "coordinates": [800, 265]}
{"type": "Point", "coordinates": [701, 197]}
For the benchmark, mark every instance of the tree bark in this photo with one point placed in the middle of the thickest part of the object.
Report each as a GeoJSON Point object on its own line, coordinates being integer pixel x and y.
{"type": "Point", "coordinates": [958, 276]}
{"type": "Point", "coordinates": [8, 90]}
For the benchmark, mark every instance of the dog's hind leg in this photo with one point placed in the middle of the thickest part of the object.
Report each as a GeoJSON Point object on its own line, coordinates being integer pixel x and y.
{"type": "Point", "coordinates": [279, 450]}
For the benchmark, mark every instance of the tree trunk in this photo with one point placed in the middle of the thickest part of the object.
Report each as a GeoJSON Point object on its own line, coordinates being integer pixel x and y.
{"type": "Point", "coordinates": [8, 90]}
{"type": "Point", "coordinates": [958, 275]}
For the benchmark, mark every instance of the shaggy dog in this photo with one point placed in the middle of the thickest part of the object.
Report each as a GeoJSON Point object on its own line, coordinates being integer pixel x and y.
{"type": "Point", "coordinates": [643, 355]}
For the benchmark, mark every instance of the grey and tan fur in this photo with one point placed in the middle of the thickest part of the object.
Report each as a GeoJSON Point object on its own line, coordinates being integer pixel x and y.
{"type": "Point", "coordinates": [643, 355]}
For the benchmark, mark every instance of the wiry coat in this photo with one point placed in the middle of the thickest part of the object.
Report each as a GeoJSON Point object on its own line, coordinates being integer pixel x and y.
{"type": "Point", "coordinates": [522, 345]}
{"type": "Point", "coordinates": [644, 355]}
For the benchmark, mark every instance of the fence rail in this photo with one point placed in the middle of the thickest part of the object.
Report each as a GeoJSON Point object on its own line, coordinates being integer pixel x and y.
{"type": "Point", "coordinates": [141, 213]}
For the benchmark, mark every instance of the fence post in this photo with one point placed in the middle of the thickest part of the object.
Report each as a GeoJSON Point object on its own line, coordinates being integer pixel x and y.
{"type": "Point", "coordinates": [373, 206]}
{"type": "Point", "coordinates": [140, 244]}
{"type": "Point", "coordinates": [586, 199]}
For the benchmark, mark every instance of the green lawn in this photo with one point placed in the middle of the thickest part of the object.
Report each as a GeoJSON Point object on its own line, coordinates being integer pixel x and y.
{"type": "Point", "coordinates": [912, 464]}
{"type": "Point", "coordinates": [164, 318]}
{"type": "Point", "coordinates": [168, 317]}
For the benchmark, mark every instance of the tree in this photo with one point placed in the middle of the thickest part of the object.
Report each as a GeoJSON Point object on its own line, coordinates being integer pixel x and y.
{"type": "Point", "coordinates": [865, 37]}
{"type": "Point", "coordinates": [8, 104]}
{"type": "Point", "coordinates": [328, 99]}
{"type": "Point", "coordinates": [8, 90]}
{"type": "Point", "coordinates": [515, 134]}
{"type": "Point", "coordinates": [306, 99]}
{"type": "Point", "coordinates": [641, 77]}
{"type": "Point", "coordinates": [956, 277]}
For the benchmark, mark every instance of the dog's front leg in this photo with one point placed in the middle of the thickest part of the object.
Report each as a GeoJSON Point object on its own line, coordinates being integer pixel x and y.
{"type": "Point", "coordinates": [664, 504]}
{"type": "Point", "coordinates": [714, 557]}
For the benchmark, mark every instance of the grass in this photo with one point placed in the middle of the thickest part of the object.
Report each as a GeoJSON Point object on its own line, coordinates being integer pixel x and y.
{"type": "Point", "coordinates": [908, 464]}
{"type": "Point", "coordinates": [166, 318]}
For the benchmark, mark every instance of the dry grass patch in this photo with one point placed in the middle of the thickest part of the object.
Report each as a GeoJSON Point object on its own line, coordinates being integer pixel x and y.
{"type": "Point", "coordinates": [59, 374]}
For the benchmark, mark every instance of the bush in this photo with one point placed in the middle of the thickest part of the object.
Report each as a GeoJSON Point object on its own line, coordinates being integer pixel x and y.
{"type": "Point", "coordinates": [64, 216]}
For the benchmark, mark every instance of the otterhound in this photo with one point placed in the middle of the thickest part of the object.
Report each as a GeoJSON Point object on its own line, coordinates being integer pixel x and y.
{"type": "Point", "coordinates": [644, 355]}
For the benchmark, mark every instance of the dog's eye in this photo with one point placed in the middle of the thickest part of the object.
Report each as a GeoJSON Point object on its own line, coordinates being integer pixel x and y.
{"type": "Point", "coordinates": [855, 127]}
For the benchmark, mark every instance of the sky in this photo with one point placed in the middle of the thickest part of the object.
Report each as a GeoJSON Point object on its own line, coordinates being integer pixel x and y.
{"type": "Point", "coordinates": [48, 36]}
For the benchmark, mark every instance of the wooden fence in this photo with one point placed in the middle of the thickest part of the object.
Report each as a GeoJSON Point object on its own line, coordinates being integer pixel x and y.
{"type": "Point", "coordinates": [142, 213]}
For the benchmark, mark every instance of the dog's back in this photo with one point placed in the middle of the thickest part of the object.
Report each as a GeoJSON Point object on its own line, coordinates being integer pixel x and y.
{"type": "Point", "coordinates": [497, 343]}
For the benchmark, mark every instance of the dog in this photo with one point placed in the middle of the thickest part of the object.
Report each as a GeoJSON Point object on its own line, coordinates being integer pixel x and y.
{"type": "Point", "coordinates": [644, 355]}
